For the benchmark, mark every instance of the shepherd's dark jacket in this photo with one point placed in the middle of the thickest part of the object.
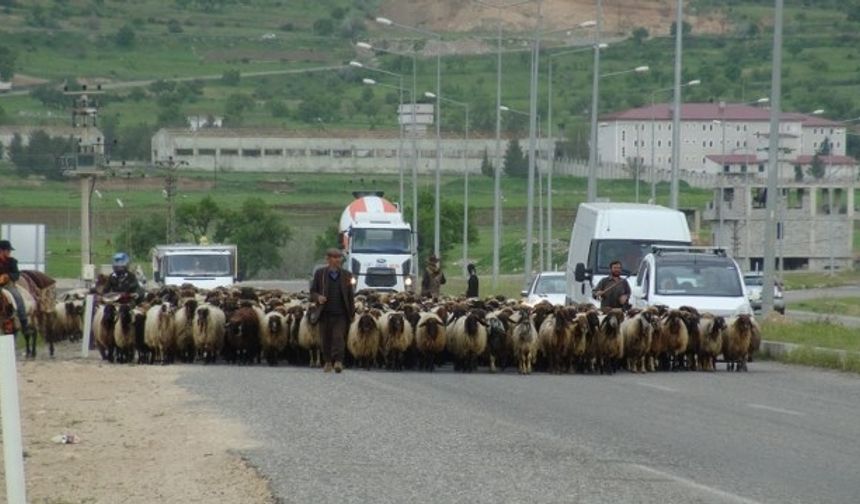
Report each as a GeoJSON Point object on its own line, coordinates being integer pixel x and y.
{"type": "Point", "coordinates": [318, 287]}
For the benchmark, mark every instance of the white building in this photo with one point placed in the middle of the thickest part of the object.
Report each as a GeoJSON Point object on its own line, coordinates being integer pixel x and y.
{"type": "Point", "coordinates": [708, 130]}
{"type": "Point", "coordinates": [359, 151]}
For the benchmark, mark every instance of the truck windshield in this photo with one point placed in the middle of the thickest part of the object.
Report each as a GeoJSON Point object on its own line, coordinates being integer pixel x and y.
{"type": "Point", "coordinates": [688, 277]}
{"type": "Point", "coordinates": [190, 265]}
{"type": "Point", "coordinates": [629, 252]}
{"type": "Point", "coordinates": [380, 241]}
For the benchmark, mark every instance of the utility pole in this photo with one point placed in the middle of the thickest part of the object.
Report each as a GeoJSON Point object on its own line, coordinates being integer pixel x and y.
{"type": "Point", "coordinates": [595, 96]}
{"type": "Point", "coordinates": [170, 180]}
{"type": "Point", "coordinates": [676, 113]}
{"type": "Point", "coordinates": [528, 266]}
{"type": "Point", "coordinates": [773, 162]}
{"type": "Point", "coordinates": [497, 172]}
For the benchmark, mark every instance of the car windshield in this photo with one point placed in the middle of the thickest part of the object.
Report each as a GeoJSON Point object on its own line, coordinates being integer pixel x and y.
{"type": "Point", "coordinates": [688, 277]}
{"type": "Point", "coordinates": [629, 252]}
{"type": "Point", "coordinates": [198, 265]}
{"type": "Point", "coordinates": [550, 285]}
{"type": "Point", "coordinates": [380, 241]}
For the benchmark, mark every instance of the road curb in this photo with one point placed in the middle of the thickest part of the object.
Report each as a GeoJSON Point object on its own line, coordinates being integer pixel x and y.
{"type": "Point", "coordinates": [783, 351]}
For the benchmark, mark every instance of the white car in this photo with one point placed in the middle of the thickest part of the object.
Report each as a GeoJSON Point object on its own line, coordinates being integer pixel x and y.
{"type": "Point", "coordinates": [546, 286]}
{"type": "Point", "coordinates": [754, 280]}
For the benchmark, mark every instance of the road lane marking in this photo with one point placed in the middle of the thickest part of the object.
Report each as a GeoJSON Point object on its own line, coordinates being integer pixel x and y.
{"type": "Point", "coordinates": [656, 387]}
{"type": "Point", "coordinates": [722, 494]}
{"type": "Point", "coordinates": [775, 410]}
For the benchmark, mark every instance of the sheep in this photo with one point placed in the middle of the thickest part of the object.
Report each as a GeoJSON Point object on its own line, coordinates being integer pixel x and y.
{"type": "Point", "coordinates": [123, 333]}
{"type": "Point", "coordinates": [145, 353]}
{"type": "Point", "coordinates": [364, 337]}
{"type": "Point", "coordinates": [499, 338]}
{"type": "Point", "coordinates": [183, 324]}
{"type": "Point", "coordinates": [103, 326]}
{"type": "Point", "coordinates": [208, 331]}
{"type": "Point", "coordinates": [755, 339]}
{"type": "Point", "coordinates": [555, 337]}
{"type": "Point", "coordinates": [692, 317]}
{"type": "Point", "coordinates": [397, 338]}
{"type": "Point", "coordinates": [610, 341]}
{"type": "Point", "coordinates": [430, 339]}
{"type": "Point", "coordinates": [159, 333]}
{"type": "Point", "coordinates": [675, 336]}
{"type": "Point", "coordinates": [468, 340]}
{"type": "Point", "coordinates": [637, 332]}
{"type": "Point", "coordinates": [309, 340]}
{"type": "Point", "coordinates": [583, 333]}
{"type": "Point", "coordinates": [711, 329]}
{"type": "Point", "coordinates": [69, 318]}
{"type": "Point", "coordinates": [737, 342]}
{"type": "Point", "coordinates": [242, 338]}
{"type": "Point", "coordinates": [273, 336]}
{"type": "Point", "coordinates": [524, 341]}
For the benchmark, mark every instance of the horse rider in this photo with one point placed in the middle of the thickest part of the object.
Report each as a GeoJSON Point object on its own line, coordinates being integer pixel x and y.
{"type": "Point", "coordinates": [9, 274]}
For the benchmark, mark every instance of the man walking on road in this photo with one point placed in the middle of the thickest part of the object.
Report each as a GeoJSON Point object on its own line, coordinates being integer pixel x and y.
{"type": "Point", "coordinates": [613, 291]}
{"type": "Point", "coordinates": [331, 289]}
{"type": "Point", "coordinates": [433, 279]}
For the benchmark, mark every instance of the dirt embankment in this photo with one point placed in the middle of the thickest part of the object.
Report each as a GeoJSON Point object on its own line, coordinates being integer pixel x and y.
{"type": "Point", "coordinates": [620, 16]}
{"type": "Point", "coordinates": [143, 439]}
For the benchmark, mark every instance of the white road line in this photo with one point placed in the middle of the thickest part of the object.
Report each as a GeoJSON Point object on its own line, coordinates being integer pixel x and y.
{"type": "Point", "coordinates": [776, 410]}
{"type": "Point", "coordinates": [656, 387]}
{"type": "Point", "coordinates": [716, 492]}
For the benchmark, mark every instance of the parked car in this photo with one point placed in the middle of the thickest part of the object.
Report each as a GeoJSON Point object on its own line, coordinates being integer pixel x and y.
{"type": "Point", "coordinates": [753, 281]}
{"type": "Point", "coordinates": [546, 286]}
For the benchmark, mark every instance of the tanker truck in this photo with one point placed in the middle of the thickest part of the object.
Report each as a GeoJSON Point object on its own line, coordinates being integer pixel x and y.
{"type": "Point", "coordinates": [378, 244]}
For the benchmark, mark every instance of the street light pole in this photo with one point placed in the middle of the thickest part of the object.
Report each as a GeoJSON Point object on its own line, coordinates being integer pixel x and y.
{"type": "Point", "coordinates": [773, 162]}
{"type": "Point", "coordinates": [527, 268]}
{"type": "Point", "coordinates": [676, 112]}
{"type": "Point", "coordinates": [595, 96]}
{"type": "Point", "coordinates": [497, 172]}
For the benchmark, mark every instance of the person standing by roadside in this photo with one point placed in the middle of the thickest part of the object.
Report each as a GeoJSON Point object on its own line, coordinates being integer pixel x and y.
{"type": "Point", "coordinates": [331, 290]}
{"type": "Point", "coordinates": [433, 279]}
{"type": "Point", "coordinates": [613, 291]}
{"type": "Point", "coordinates": [472, 288]}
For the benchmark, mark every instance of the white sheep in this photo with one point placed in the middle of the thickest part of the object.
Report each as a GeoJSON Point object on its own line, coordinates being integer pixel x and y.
{"type": "Point", "coordinates": [183, 324]}
{"type": "Point", "coordinates": [309, 340]}
{"type": "Point", "coordinates": [430, 339]}
{"type": "Point", "coordinates": [711, 331]}
{"type": "Point", "coordinates": [364, 338]}
{"type": "Point", "coordinates": [524, 341]}
{"type": "Point", "coordinates": [468, 340]}
{"type": "Point", "coordinates": [397, 338]}
{"type": "Point", "coordinates": [610, 341]}
{"type": "Point", "coordinates": [159, 333]}
{"type": "Point", "coordinates": [737, 340]}
{"type": "Point", "coordinates": [555, 340]}
{"type": "Point", "coordinates": [103, 326]}
{"type": "Point", "coordinates": [637, 332]}
{"type": "Point", "coordinates": [208, 331]}
{"type": "Point", "coordinates": [274, 336]}
{"type": "Point", "coordinates": [123, 333]}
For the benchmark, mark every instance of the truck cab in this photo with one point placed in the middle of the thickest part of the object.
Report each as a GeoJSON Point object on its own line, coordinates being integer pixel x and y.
{"type": "Point", "coordinates": [203, 266]}
{"type": "Point", "coordinates": [705, 278]}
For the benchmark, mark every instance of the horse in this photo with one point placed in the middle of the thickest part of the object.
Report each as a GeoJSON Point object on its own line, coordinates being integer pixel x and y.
{"type": "Point", "coordinates": [38, 294]}
{"type": "Point", "coordinates": [9, 311]}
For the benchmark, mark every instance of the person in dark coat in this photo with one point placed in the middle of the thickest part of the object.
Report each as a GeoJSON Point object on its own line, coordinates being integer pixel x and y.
{"type": "Point", "coordinates": [613, 291]}
{"type": "Point", "coordinates": [9, 274]}
{"type": "Point", "coordinates": [121, 280]}
{"type": "Point", "coordinates": [433, 279]}
{"type": "Point", "coordinates": [332, 288]}
{"type": "Point", "coordinates": [472, 288]}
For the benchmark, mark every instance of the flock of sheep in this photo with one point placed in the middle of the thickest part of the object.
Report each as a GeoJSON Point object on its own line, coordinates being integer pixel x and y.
{"type": "Point", "coordinates": [403, 331]}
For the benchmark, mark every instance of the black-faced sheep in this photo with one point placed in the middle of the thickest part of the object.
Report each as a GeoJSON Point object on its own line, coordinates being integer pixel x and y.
{"type": "Point", "coordinates": [159, 332]}
{"type": "Point", "coordinates": [364, 337]}
{"type": "Point", "coordinates": [637, 332]}
{"type": "Point", "coordinates": [103, 326]}
{"type": "Point", "coordinates": [737, 342]}
{"type": "Point", "coordinates": [274, 336]}
{"type": "Point", "coordinates": [468, 340]}
{"type": "Point", "coordinates": [242, 336]}
{"type": "Point", "coordinates": [430, 339]}
{"type": "Point", "coordinates": [524, 340]}
{"type": "Point", "coordinates": [183, 324]}
{"type": "Point", "coordinates": [555, 338]}
{"type": "Point", "coordinates": [208, 331]}
{"type": "Point", "coordinates": [610, 341]}
{"type": "Point", "coordinates": [397, 338]}
{"type": "Point", "coordinates": [711, 329]}
{"type": "Point", "coordinates": [123, 333]}
{"type": "Point", "coordinates": [309, 340]}
{"type": "Point", "coordinates": [674, 333]}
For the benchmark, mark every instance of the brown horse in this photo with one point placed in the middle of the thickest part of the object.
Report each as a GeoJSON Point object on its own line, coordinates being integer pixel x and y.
{"type": "Point", "coordinates": [37, 292]}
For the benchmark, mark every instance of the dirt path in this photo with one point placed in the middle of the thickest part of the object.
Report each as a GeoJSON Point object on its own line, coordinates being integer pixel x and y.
{"type": "Point", "coordinates": [143, 438]}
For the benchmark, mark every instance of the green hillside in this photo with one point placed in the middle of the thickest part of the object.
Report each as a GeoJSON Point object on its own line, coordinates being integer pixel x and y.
{"type": "Point", "coordinates": [111, 41]}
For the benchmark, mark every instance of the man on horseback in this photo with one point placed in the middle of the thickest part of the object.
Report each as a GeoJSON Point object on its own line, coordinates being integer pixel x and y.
{"type": "Point", "coordinates": [9, 274]}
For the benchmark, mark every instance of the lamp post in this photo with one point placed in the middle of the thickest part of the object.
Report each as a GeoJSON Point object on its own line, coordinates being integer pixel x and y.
{"type": "Point", "coordinates": [653, 175]}
{"type": "Point", "coordinates": [358, 64]}
{"type": "Point", "coordinates": [436, 219]}
{"type": "Point", "coordinates": [465, 105]}
{"type": "Point", "coordinates": [551, 160]}
{"type": "Point", "coordinates": [368, 47]}
{"type": "Point", "coordinates": [595, 97]}
{"type": "Point", "coordinates": [676, 111]}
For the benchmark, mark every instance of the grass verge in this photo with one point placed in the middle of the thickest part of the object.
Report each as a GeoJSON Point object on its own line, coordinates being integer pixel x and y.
{"type": "Point", "coordinates": [823, 345]}
{"type": "Point", "coordinates": [849, 306]}
{"type": "Point", "coordinates": [807, 280]}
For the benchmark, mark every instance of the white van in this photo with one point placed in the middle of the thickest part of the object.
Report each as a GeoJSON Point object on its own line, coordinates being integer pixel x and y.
{"type": "Point", "coordinates": [604, 232]}
{"type": "Point", "coordinates": [705, 278]}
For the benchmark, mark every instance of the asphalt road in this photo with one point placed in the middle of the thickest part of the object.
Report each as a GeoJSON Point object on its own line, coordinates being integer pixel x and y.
{"type": "Point", "coordinates": [777, 434]}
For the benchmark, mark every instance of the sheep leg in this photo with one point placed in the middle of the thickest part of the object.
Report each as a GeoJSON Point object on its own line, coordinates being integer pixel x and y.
{"type": "Point", "coordinates": [492, 363]}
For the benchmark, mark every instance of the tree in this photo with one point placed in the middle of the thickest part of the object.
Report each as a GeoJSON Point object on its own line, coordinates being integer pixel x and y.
{"type": "Point", "coordinates": [688, 28]}
{"type": "Point", "coordinates": [235, 107]}
{"type": "Point", "coordinates": [138, 236]}
{"type": "Point", "coordinates": [817, 169]}
{"type": "Point", "coordinates": [326, 240]}
{"type": "Point", "coordinates": [231, 77]}
{"type": "Point", "coordinates": [450, 229]}
{"type": "Point", "coordinates": [197, 219]}
{"type": "Point", "coordinates": [486, 166]}
{"type": "Point", "coordinates": [8, 59]}
{"type": "Point", "coordinates": [258, 232]}
{"type": "Point", "coordinates": [516, 164]}
{"type": "Point", "coordinates": [639, 35]}
{"type": "Point", "coordinates": [125, 37]}
{"type": "Point", "coordinates": [323, 27]}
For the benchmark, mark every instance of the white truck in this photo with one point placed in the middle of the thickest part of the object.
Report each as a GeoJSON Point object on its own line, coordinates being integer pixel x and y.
{"type": "Point", "coordinates": [378, 244]}
{"type": "Point", "coordinates": [203, 266]}
{"type": "Point", "coordinates": [605, 232]}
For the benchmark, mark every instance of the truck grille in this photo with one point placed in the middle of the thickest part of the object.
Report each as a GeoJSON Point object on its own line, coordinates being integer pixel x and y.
{"type": "Point", "coordinates": [381, 277]}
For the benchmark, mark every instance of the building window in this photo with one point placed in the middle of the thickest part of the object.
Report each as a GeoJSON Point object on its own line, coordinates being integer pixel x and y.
{"type": "Point", "coordinates": [669, 143]}
{"type": "Point", "coordinates": [704, 127]}
{"type": "Point", "coordinates": [704, 143]}
{"type": "Point", "coordinates": [704, 160]}
{"type": "Point", "coordinates": [623, 135]}
{"type": "Point", "coordinates": [184, 152]}
{"type": "Point", "coordinates": [745, 127]}
{"type": "Point", "coordinates": [659, 143]}
{"type": "Point", "coordinates": [205, 152]}
{"type": "Point", "coordinates": [745, 143]}
{"type": "Point", "coordinates": [725, 168]}
{"type": "Point", "coordinates": [342, 153]}
{"type": "Point", "coordinates": [761, 168]}
{"type": "Point", "coordinates": [295, 152]}
{"type": "Point", "coordinates": [320, 152]}
{"type": "Point", "coordinates": [831, 131]}
{"type": "Point", "coordinates": [250, 152]}
{"type": "Point", "coordinates": [273, 152]}
{"type": "Point", "coordinates": [711, 143]}
{"type": "Point", "coordinates": [623, 152]}
{"type": "Point", "coordinates": [229, 152]}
